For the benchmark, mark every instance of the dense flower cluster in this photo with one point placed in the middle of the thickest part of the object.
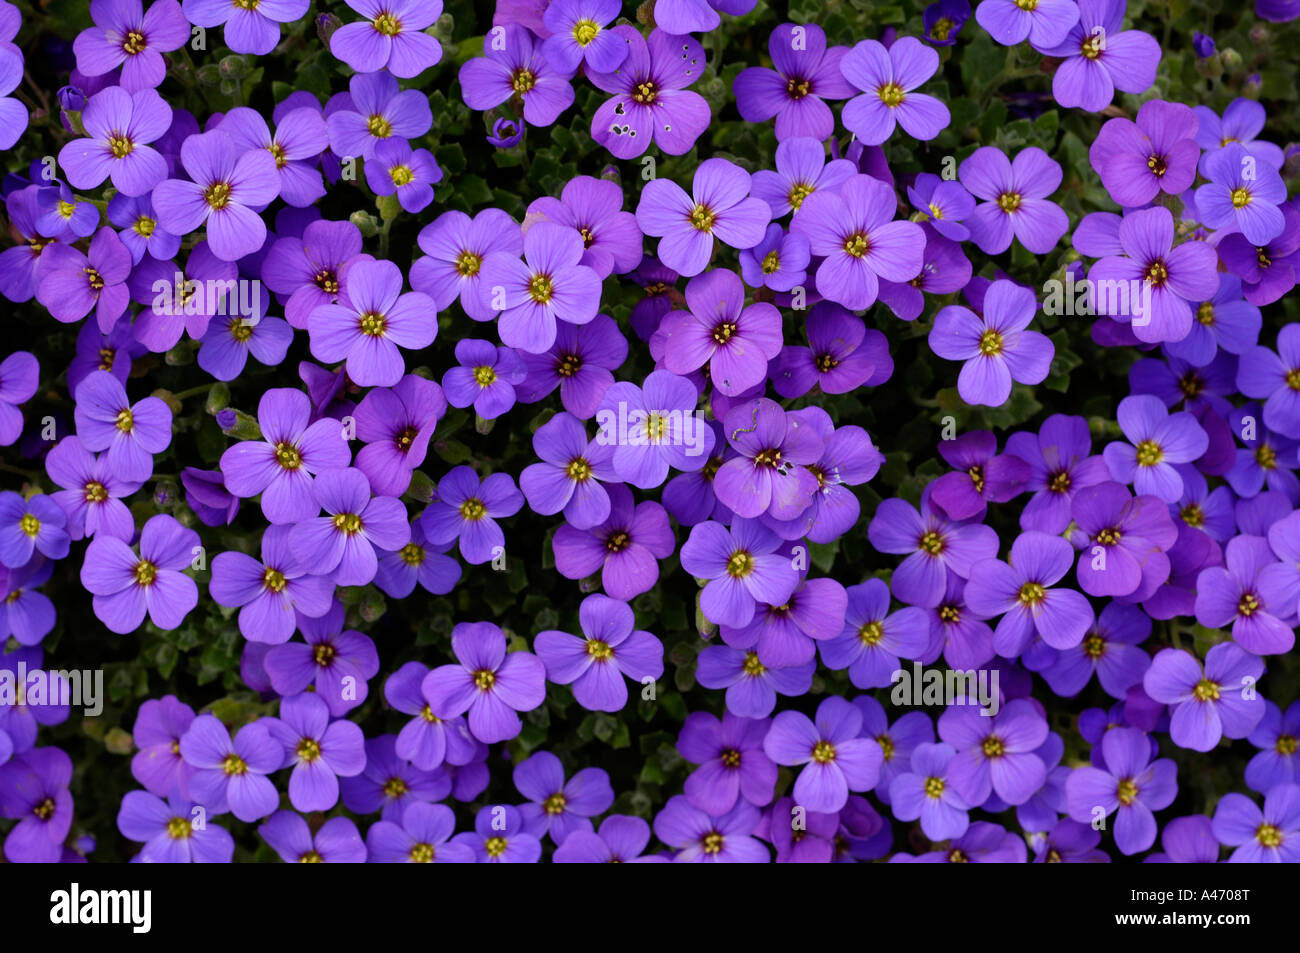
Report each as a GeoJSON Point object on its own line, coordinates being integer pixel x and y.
{"type": "Point", "coordinates": [652, 380]}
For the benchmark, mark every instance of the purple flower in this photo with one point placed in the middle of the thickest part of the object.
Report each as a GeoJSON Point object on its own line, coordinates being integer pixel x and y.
{"type": "Point", "coordinates": [596, 664]}
{"type": "Point", "coordinates": [842, 355]}
{"type": "Point", "coordinates": [140, 232]}
{"type": "Point", "coordinates": [319, 750]}
{"type": "Point", "coordinates": [945, 203]}
{"type": "Point", "coordinates": [1241, 122]}
{"type": "Point", "coordinates": [37, 525]}
{"type": "Point", "coordinates": [395, 169]}
{"type": "Point", "coordinates": [549, 285]}
{"type": "Point", "coordinates": [230, 340]}
{"type": "Point", "coordinates": [371, 320]}
{"type": "Point", "coordinates": [419, 835]}
{"type": "Point", "coordinates": [736, 342]}
{"type": "Point", "coordinates": [995, 754]}
{"type": "Point", "coordinates": [1060, 465]}
{"type": "Point", "coordinates": [426, 740]}
{"type": "Point", "coordinates": [282, 464]}
{"type": "Point", "coordinates": [837, 760]}
{"type": "Point", "coordinates": [957, 631]}
{"type": "Point", "coordinates": [374, 110]}
{"type": "Point", "coordinates": [513, 65]}
{"type": "Point", "coordinates": [337, 841]}
{"type": "Point", "coordinates": [393, 39]}
{"type": "Point", "coordinates": [467, 509]}
{"type": "Point", "coordinates": [571, 474]}
{"type": "Point", "coordinates": [225, 188]}
{"type": "Point", "coordinates": [90, 497]}
{"type": "Point", "coordinates": [751, 686]}
{"type": "Point", "coordinates": [485, 379]}
{"type": "Point", "coordinates": [158, 765]}
{"type": "Point", "coordinates": [391, 784]}
{"type": "Point", "coordinates": [1276, 736]}
{"type": "Point", "coordinates": [126, 35]}
{"type": "Point", "coordinates": [1203, 45]}
{"type": "Point", "coordinates": [34, 791]}
{"type": "Point", "coordinates": [982, 476]}
{"type": "Point", "coordinates": [1242, 193]}
{"type": "Point", "coordinates": [652, 428]}
{"type": "Point", "coordinates": [1016, 203]}
{"type": "Point", "coordinates": [342, 544]}
{"type": "Point", "coordinates": [1274, 377]}
{"type": "Point", "coordinates": [1284, 537]}
{"type": "Point", "coordinates": [1269, 270]}
{"type": "Point", "coordinates": [702, 838]}
{"type": "Point", "coordinates": [937, 548]}
{"type": "Point", "coordinates": [26, 614]}
{"type": "Point", "coordinates": [887, 78]}
{"type": "Point", "coordinates": [126, 586]}
{"type": "Point", "coordinates": [120, 127]}
{"type": "Point", "coordinates": [853, 231]}
{"type": "Point", "coordinates": [187, 298]}
{"type": "Point", "coordinates": [1157, 153]}
{"type": "Point", "coordinates": [499, 838]}
{"type": "Point", "coordinates": [594, 209]}
{"type": "Point", "coordinates": [252, 28]}
{"type": "Point", "coordinates": [1271, 835]}
{"type": "Point", "coordinates": [300, 137]}
{"type": "Point", "coordinates": [169, 832]}
{"type": "Point", "coordinates": [580, 363]}
{"type": "Point", "coordinates": [620, 839]}
{"type": "Point", "coordinates": [580, 35]}
{"type": "Point", "coordinates": [943, 21]}
{"type": "Point", "coordinates": [456, 246]}
{"type": "Point", "coordinates": [1110, 649]}
{"type": "Point", "coordinates": [1219, 702]}
{"type": "Point", "coordinates": [1255, 602]}
{"type": "Point", "coordinates": [396, 426]}
{"type": "Point", "coordinates": [419, 561]}
{"type": "Point", "coordinates": [805, 73]}
{"type": "Point", "coordinates": [231, 775]}
{"type": "Point", "coordinates": [1021, 594]}
{"type": "Point", "coordinates": [680, 17]}
{"type": "Point", "coordinates": [71, 284]}
{"type": "Point", "coordinates": [1124, 541]}
{"type": "Point", "coordinates": [732, 763]}
{"type": "Point", "coordinates": [1157, 441]}
{"type": "Point", "coordinates": [777, 262]}
{"type": "Point", "coordinates": [1187, 840]}
{"type": "Point", "coordinates": [995, 347]}
{"type": "Point", "coordinates": [268, 590]}
{"type": "Point", "coordinates": [623, 548]}
{"type": "Point", "coordinates": [557, 807]}
{"type": "Point", "coordinates": [339, 664]}
{"type": "Point", "coordinates": [1223, 321]}
{"type": "Point", "coordinates": [506, 134]}
{"type": "Point", "coordinates": [873, 638]}
{"type": "Point", "coordinates": [651, 104]}
{"type": "Point", "coordinates": [719, 207]}
{"type": "Point", "coordinates": [1100, 59]}
{"type": "Point", "coordinates": [488, 683]}
{"type": "Point", "coordinates": [771, 472]}
{"type": "Point", "coordinates": [743, 567]}
{"type": "Point", "coordinates": [19, 377]}
{"type": "Point", "coordinates": [1044, 23]}
{"type": "Point", "coordinates": [1130, 783]}
{"type": "Point", "coordinates": [801, 169]}
{"type": "Point", "coordinates": [926, 793]}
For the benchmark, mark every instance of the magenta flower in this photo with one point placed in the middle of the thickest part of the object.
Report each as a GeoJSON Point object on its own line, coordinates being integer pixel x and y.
{"type": "Point", "coordinates": [71, 284]}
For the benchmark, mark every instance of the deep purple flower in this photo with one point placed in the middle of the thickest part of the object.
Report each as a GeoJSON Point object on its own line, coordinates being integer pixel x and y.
{"type": "Point", "coordinates": [580, 363]}
{"type": "Point", "coordinates": [419, 561]}
{"type": "Point", "coordinates": [499, 838]}
{"type": "Point", "coordinates": [281, 466]}
{"type": "Point", "coordinates": [620, 839]}
{"type": "Point", "coordinates": [874, 639]}
{"type": "Point", "coordinates": [777, 262]}
{"type": "Point", "coordinates": [770, 474]}
{"type": "Point", "coordinates": [392, 40]}
{"type": "Point", "coordinates": [1157, 153]}
{"type": "Point", "coordinates": [995, 347]}
{"type": "Point", "coordinates": [140, 232]}
{"type": "Point", "coordinates": [732, 763]}
{"type": "Point", "coordinates": [231, 775]}
{"type": "Point", "coordinates": [1218, 702]}
{"type": "Point", "coordinates": [943, 21]}
{"type": "Point", "coordinates": [171, 832]}
{"type": "Point", "coordinates": [1109, 648]}
{"type": "Point", "coordinates": [594, 208]}
{"type": "Point", "coordinates": [337, 841]}
{"type": "Point", "coordinates": [342, 545]}
{"type": "Point", "coordinates": [944, 269]}
{"type": "Point", "coordinates": [719, 207]}
{"type": "Point", "coordinates": [1131, 783]}
{"type": "Point", "coordinates": [1124, 540]}
{"type": "Point", "coordinates": [838, 760]}
{"type": "Point", "coordinates": [485, 379]}
{"type": "Point", "coordinates": [624, 548]}
{"type": "Point", "coordinates": [158, 765]}
{"type": "Point", "coordinates": [1187, 840]}
{"type": "Point", "coordinates": [945, 203]}
{"type": "Point", "coordinates": [126, 586]}
{"type": "Point", "coordinates": [1100, 58]}
{"type": "Point", "coordinates": [557, 807]}
{"type": "Point", "coordinates": [926, 793]}
{"type": "Point", "coordinates": [982, 475]}
{"type": "Point", "coordinates": [1268, 271]}
{"type": "Point", "coordinates": [71, 284]}
{"type": "Point", "coordinates": [1270, 835]}
{"type": "Point", "coordinates": [842, 355]}
{"type": "Point", "coordinates": [225, 188]}
{"type": "Point", "coordinates": [806, 72]}
{"type": "Point", "coordinates": [488, 683]}
{"type": "Point", "coordinates": [854, 231]}
{"type": "Point", "coordinates": [937, 548]}
{"type": "Point", "coordinates": [887, 77]}
{"type": "Point", "coordinates": [1275, 736]}
{"type": "Point", "coordinates": [513, 65]}
{"type": "Point", "coordinates": [25, 613]}
{"type": "Point", "coordinates": [705, 838]}
{"type": "Point", "coordinates": [1241, 593]}
{"type": "Point", "coordinates": [651, 104]}
{"type": "Point", "coordinates": [396, 426]}
{"type": "Point", "coordinates": [467, 509]}
{"type": "Point", "coordinates": [338, 663]}
{"type": "Point", "coordinates": [1044, 23]}
{"type": "Point", "coordinates": [1274, 377]}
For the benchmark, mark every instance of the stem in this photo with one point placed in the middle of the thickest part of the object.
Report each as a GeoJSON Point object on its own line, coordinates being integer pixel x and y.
{"type": "Point", "coordinates": [31, 475]}
{"type": "Point", "coordinates": [193, 392]}
{"type": "Point", "coordinates": [383, 238]}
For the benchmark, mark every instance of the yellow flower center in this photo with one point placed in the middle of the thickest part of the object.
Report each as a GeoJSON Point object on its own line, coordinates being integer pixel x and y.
{"type": "Point", "coordinates": [373, 324]}
{"type": "Point", "coordinates": [1248, 604]}
{"type": "Point", "coordinates": [349, 523]}
{"type": "Point", "coordinates": [578, 470]}
{"type": "Point", "coordinates": [144, 226]}
{"type": "Point", "coordinates": [753, 667]}
{"type": "Point", "coordinates": [387, 24]}
{"type": "Point", "coordinates": [120, 146]}
{"type": "Point", "coordinates": [288, 456]}
{"type": "Point", "coordinates": [1240, 197]}
{"type": "Point", "coordinates": [1286, 744]}
{"type": "Point", "coordinates": [401, 175]}
{"type": "Point", "coordinates": [1268, 835]}
{"type": "Point", "coordinates": [823, 752]}
{"type": "Point", "coordinates": [495, 846]}
{"type": "Point", "coordinates": [484, 679]}
{"type": "Point", "coordinates": [1009, 201]}
{"type": "Point", "coordinates": [857, 245]}
{"type": "Point", "coordinates": [871, 633]}
{"type": "Point", "coordinates": [422, 853]}
{"type": "Point", "coordinates": [234, 765]}
{"type": "Point", "coordinates": [125, 421]}
{"type": "Point", "coordinates": [1206, 691]}
{"type": "Point", "coordinates": [993, 747]}
{"type": "Point", "coordinates": [468, 264]}
{"type": "Point", "coordinates": [273, 580]}
{"type": "Point", "coordinates": [217, 195]}
{"type": "Point", "coordinates": [891, 94]}
{"type": "Point", "coordinates": [1157, 273]}
{"type": "Point", "coordinates": [308, 749]}
{"type": "Point", "coordinates": [1149, 453]}
{"type": "Point", "coordinates": [394, 788]}
{"type": "Point", "coordinates": [484, 376]}
{"type": "Point", "coordinates": [145, 573]}
{"type": "Point", "coordinates": [797, 88]}
{"type": "Point", "coordinates": [524, 80]}
{"type": "Point", "coordinates": [278, 153]}
{"type": "Point", "coordinates": [1031, 594]}
{"type": "Point", "coordinates": [379, 127]}
{"type": "Point", "coordinates": [1193, 515]}
{"type": "Point", "coordinates": [798, 192]}
{"type": "Point", "coordinates": [555, 803]}
{"type": "Point", "coordinates": [645, 93]}
{"type": "Point", "coordinates": [1109, 537]}
{"type": "Point", "coordinates": [723, 332]}
{"type": "Point", "coordinates": [702, 217]}
{"type": "Point", "coordinates": [29, 524]}
{"type": "Point", "coordinates": [991, 343]}
{"type": "Point", "coordinates": [95, 492]}
{"type": "Point", "coordinates": [179, 828]}
{"type": "Point", "coordinates": [540, 288]}
{"type": "Point", "coordinates": [134, 43]}
{"type": "Point", "coordinates": [584, 31]}
{"type": "Point", "coordinates": [1157, 164]}
{"type": "Point", "coordinates": [931, 543]}
{"type": "Point", "coordinates": [412, 554]}
{"type": "Point", "coordinates": [1094, 646]}
{"type": "Point", "coordinates": [740, 565]}
{"type": "Point", "coordinates": [600, 651]}
{"type": "Point", "coordinates": [771, 262]}
{"type": "Point", "coordinates": [1092, 45]}
{"type": "Point", "coordinates": [934, 787]}
{"type": "Point", "coordinates": [1127, 792]}
{"type": "Point", "coordinates": [473, 510]}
